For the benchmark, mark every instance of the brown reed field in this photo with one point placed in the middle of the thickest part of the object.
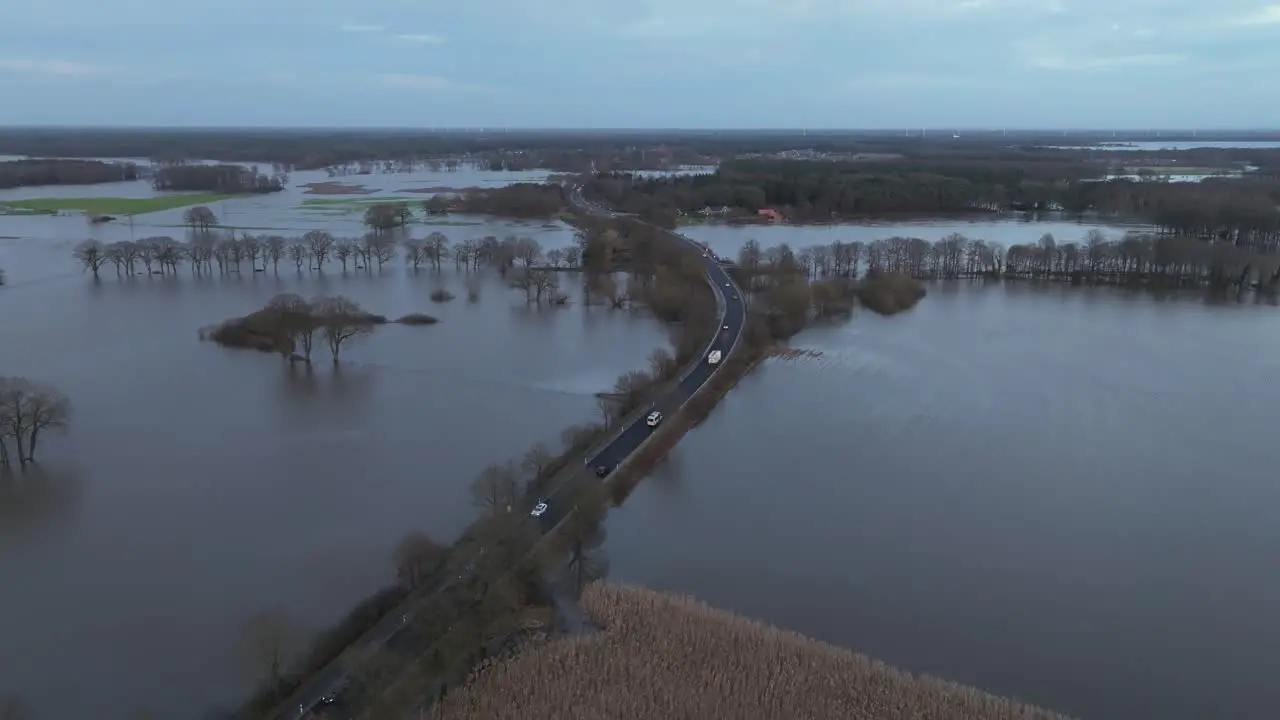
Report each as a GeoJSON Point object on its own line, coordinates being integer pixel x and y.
{"type": "Point", "coordinates": [659, 657]}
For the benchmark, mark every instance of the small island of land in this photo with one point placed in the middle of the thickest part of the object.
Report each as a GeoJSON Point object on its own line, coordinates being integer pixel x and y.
{"type": "Point", "coordinates": [660, 657]}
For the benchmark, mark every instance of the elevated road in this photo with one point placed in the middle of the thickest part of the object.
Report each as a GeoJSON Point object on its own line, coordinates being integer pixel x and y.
{"type": "Point", "coordinates": [323, 687]}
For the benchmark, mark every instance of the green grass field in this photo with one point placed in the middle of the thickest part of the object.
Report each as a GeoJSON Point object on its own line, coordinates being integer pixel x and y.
{"type": "Point", "coordinates": [108, 205]}
{"type": "Point", "coordinates": [359, 201]}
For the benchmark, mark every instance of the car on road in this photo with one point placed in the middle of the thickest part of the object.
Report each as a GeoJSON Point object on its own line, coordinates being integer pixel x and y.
{"type": "Point", "coordinates": [727, 285]}
{"type": "Point", "coordinates": [603, 470]}
{"type": "Point", "coordinates": [713, 358]}
{"type": "Point", "coordinates": [539, 509]}
{"type": "Point", "coordinates": [653, 419]}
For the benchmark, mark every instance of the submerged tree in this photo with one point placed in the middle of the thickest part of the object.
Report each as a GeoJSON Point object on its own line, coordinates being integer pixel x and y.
{"type": "Point", "coordinates": [297, 323]}
{"type": "Point", "coordinates": [340, 319]}
{"type": "Point", "coordinates": [92, 255]}
{"type": "Point", "coordinates": [27, 409]}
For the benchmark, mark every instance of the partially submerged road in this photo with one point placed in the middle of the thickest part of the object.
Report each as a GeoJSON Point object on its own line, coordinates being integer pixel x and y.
{"type": "Point", "coordinates": [330, 682]}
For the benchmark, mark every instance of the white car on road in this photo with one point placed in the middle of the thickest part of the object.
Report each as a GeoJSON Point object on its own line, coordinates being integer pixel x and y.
{"type": "Point", "coordinates": [653, 419]}
{"type": "Point", "coordinates": [539, 509]}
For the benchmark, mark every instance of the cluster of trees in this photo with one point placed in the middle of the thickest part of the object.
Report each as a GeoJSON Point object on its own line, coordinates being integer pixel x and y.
{"type": "Point", "coordinates": [229, 179]}
{"type": "Point", "coordinates": [820, 191]}
{"type": "Point", "coordinates": [521, 200]}
{"type": "Point", "coordinates": [518, 200]}
{"type": "Point", "coordinates": [293, 326]}
{"type": "Point", "coordinates": [57, 171]}
{"type": "Point", "coordinates": [28, 409]}
{"type": "Point", "coordinates": [1167, 261]}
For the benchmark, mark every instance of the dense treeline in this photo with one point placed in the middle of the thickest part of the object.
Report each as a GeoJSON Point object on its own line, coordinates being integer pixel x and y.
{"type": "Point", "coordinates": [1145, 259]}
{"type": "Point", "coordinates": [519, 200]}
{"type": "Point", "coordinates": [822, 191]}
{"type": "Point", "coordinates": [314, 149]}
{"type": "Point", "coordinates": [231, 179]}
{"type": "Point", "coordinates": [52, 171]}
{"type": "Point", "coordinates": [575, 151]}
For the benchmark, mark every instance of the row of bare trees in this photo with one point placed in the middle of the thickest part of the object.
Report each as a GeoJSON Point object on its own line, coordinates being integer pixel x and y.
{"type": "Point", "coordinates": [1135, 258]}
{"type": "Point", "coordinates": [229, 252]}
{"type": "Point", "coordinates": [27, 410]}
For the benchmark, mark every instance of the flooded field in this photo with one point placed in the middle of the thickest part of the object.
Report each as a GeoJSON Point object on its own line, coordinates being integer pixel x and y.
{"type": "Point", "coordinates": [199, 485]}
{"type": "Point", "coordinates": [1048, 493]}
{"type": "Point", "coordinates": [1052, 493]}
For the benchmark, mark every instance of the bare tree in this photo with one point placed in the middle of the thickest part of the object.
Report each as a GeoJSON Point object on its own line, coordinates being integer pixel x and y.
{"type": "Point", "coordinates": [414, 556]}
{"type": "Point", "coordinates": [437, 248]}
{"type": "Point", "coordinates": [462, 253]}
{"type": "Point", "coordinates": [537, 460]}
{"type": "Point", "coordinates": [273, 248]}
{"type": "Point", "coordinates": [252, 250]}
{"type": "Point", "coordinates": [343, 249]}
{"type": "Point", "coordinates": [496, 489]}
{"type": "Point", "coordinates": [527, 251]}
{"type": "Point", "coordinates": [413, 252]}
{"type": "Point", "coordinates": [383, 249]}
{"type": "Point", "coordinates": [546, 284]}
{"type": "Point", "coordinates": [297, 323]}
{"type": "Point", "coordinates": [92, 255]}
{"type": "Point", "coordinates": [661, 363]}
{"type": "Point", "coordinates": [340, 320]}
{"type": "Point", "coordinates": [26, 409]}
{"type": "Point", "coordinates": [199, 218]}
{"type": "Point", "coordinates": [298, 253]}
{"type": "Point", "coordinates": [269, 645]}
{"type": "Point", "coordinates": [319, 244]}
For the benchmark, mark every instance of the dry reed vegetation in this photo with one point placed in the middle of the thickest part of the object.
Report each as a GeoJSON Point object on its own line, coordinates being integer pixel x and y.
{"type": "Point", "coordinates": [669, 658]}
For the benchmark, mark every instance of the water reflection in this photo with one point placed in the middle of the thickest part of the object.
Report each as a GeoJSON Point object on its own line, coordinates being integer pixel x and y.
{"type": "Point", "coordinates": [32, 495]}
{"type": "Point", "coordinates": [261, 483]}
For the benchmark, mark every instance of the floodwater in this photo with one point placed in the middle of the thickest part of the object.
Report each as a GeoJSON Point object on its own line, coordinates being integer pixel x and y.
{"type": "Point", "coordinates": [199, 485]}
{"type": "Point", "coordinates": [1058, 494]}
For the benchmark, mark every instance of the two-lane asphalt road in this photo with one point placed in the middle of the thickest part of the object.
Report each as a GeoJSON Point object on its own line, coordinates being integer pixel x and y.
{"type": "Point", "coordinates": [731, 322]}
{"type": "Point", "coordinates": [330, 682]}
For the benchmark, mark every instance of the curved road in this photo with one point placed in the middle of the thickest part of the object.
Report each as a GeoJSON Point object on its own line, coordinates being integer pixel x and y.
{"type": "Point", "coordinates": [330, 682]}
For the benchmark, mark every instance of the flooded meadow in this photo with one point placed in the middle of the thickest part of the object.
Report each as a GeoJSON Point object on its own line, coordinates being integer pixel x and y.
{"type": "Point", "coordinates": [1054, 493]}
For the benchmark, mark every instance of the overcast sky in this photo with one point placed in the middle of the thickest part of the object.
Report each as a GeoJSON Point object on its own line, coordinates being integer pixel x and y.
{"type": "Point", "coordinates": [642, 63]}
